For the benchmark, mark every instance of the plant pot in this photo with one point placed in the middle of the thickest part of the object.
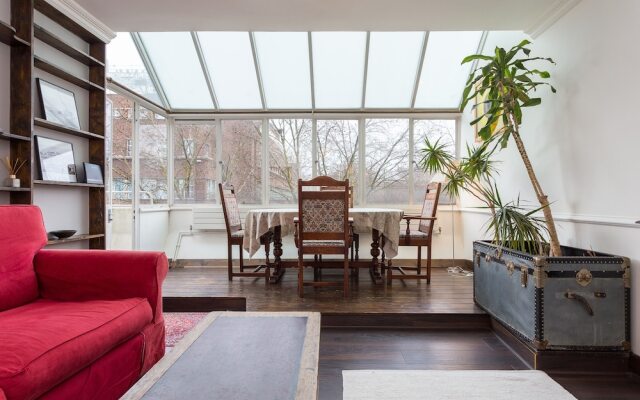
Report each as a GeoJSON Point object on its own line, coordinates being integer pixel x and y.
{"type": "Point", "coordinates": [12, 181]}
{"type": "Point", "coordinates": [579, 301]}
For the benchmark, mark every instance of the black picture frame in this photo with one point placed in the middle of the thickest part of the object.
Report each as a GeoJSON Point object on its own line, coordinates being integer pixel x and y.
{"type": "Point", "coordinates": [93, 173]}
{"type": "Point", "coordinates": [56, 160]}
{"type": "Point", "coordinates": [58, 104]}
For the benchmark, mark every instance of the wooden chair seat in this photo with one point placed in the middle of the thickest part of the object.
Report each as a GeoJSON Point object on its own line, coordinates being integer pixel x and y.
{"type": "Point", "coordinates": [323, 243]}
{"type": "Point", "coordinates": [413, 235]}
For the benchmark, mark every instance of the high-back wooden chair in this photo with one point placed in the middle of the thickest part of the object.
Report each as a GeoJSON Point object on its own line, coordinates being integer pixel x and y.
{"type": "Point", "coordinates": [420, 238]}
{"type": "Point", "coordinates": [323, 226]}
{"type": "Point", "coordinates": [235, 236]}
{"type": "Point", "coordinates": [355, 245]}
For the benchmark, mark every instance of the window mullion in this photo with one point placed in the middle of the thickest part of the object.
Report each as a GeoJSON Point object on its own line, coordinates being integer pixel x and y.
{"type": "Point", "coordinates": [362, 167]}
{"type": "Point", "coordinates": [314, 147]}
{"type": "Point", "coordinates": [411, 160]}
{"type": "Point", "coordinates": [218, 163]}
{"type": "Point", "coordinates": [266, 175]}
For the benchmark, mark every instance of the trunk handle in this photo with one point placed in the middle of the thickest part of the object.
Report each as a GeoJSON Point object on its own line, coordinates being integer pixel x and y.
{"type": "Point", "coordinates": [580, 299]}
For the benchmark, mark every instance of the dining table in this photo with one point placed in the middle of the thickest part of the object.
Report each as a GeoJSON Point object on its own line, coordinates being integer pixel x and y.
{"type": "Point", "coordinates": [382, 223]}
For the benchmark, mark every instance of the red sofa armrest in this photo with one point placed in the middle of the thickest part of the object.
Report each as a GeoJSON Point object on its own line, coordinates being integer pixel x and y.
{"type": "Point", "coordinates": [77, 275]}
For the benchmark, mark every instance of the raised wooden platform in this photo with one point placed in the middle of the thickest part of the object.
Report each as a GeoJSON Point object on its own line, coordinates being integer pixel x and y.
{"type": "Point", "coordinates": [447, 303]}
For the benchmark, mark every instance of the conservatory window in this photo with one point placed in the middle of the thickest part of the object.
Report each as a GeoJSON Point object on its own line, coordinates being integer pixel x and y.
{"type": "Point", "coordinates": [242, 158]}
{"type": "Point", "coordinates": [175, 61]}
{"type": "Point", "coordinates": [193, 164]}
{"type": "Point", "coordinates": [289, 158]}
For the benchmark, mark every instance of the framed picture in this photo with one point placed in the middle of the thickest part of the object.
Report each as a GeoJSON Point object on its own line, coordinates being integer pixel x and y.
{"type": "Point", "coordinates": [56, 160]}
{"type": "Point", "coordinates": [93, 173]}
{"type": "Point", "coordinates": [58, 104]}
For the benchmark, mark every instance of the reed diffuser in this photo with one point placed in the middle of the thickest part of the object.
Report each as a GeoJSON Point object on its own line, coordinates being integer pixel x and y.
{"type": "Point", "coordinates": [13, 167]}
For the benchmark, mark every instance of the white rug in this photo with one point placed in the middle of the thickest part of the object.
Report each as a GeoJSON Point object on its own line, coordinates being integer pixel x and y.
{"type": "Point", "coordinates": [446, 385]}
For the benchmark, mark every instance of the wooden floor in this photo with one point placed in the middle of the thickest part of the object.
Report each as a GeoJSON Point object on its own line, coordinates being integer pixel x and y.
{"type": "Point", "coordinates": [441, 305]}
{"type": "Point", "coordinates": [348, 348]}
{"type": "Point", "coordinates": [446, 294]}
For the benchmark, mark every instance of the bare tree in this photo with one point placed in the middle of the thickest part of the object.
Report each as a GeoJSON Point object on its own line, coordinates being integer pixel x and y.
{"type": "Point", "coordinates": [290, 151]}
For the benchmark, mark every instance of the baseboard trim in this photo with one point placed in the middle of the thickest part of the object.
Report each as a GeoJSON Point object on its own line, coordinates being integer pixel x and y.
{"type": "Point", "coordinates": [222, 262]}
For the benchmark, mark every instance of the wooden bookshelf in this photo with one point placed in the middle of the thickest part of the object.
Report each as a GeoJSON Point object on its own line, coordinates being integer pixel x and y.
{"type": "Point", "coordinates": [63, 129]}
{"type": "Point", "coordinates": [75, 238]}
{"type": "Point", "coordinates": [70, 184]}
{"type": "Point", "coordinates": [8, 36]}
{"type": "Point", "coordinates": [60, 45]}
{"type": "Point", "coordinates": [10, 136]}
{"type": "Point", "coordinates": [23, 119]}
{"type": "Point", "coordinates": [12, 189]}
{"type": "Point", "coordinates": [54, 70]}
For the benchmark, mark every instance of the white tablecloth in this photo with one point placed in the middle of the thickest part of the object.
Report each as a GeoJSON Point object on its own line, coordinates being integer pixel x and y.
{"type": "Point", "coordinates": [384, 220]}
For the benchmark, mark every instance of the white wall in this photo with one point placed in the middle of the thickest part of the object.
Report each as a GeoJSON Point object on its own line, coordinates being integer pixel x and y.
{"type": "Point", "coordinates": [213, 245]}
{"type": "Point", "coordinates": [584, 140]}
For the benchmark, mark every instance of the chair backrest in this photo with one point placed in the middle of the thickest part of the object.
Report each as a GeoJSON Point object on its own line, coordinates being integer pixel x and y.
{"type": "Point", "coordinates": [340, 189]}
{"type": "Point", "coordinates": [232, 219]}
{"type": "Point", "coordinates": [22, 235]}
{"type": "Point", "coordinates": [429, 207]}
{"type": "Point", "coordinates": [323, 214]}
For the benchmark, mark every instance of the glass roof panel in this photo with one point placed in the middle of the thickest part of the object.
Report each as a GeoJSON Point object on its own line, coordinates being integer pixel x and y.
{"type": "Point", "coordinates": [125, 66]}
{"type": "Point", "coordinates": [392, 68]}
{"type": "Point", "coordinates": [179, 71]}
{"type": "Point", "coordinates": [283, 59]}
{"type": "Point", "coordinates": [233, 73]}
{"type": "Point", "coordinates": [443, 78]}
{"type": "Point", "coordinates": [338, 68]}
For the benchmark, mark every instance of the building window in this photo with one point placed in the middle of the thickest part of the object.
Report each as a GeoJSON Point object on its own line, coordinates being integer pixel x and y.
{"type": "Point", "coordinates": [338, 150]}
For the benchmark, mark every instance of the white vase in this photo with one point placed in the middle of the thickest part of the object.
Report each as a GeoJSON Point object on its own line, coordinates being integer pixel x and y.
{"type": "Point", "coordinates": [12, 181]}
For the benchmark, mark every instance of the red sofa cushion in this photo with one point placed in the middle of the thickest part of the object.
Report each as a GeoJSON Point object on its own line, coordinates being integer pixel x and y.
{"type": "Point", "coordinates": [22, 234]}
{"type": "Point", "coordinates": [46, 342]}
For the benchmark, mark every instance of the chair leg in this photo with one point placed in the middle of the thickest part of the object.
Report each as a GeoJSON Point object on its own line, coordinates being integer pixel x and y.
{"type": "Point", "coordinates": [241, 258]}
{"type": "Point", "coordinates": [230, 261]}
{"type": "Point", "coordinates": [419, 260]}
{"type": "Point", "coordinates": [357, 246]}
{"type": "Point", "coordinates": [346, 275]}
{"type": "Point", "coordinates": [267, 250]}
{"type": "Point", "coordinates": [428, 265]}
{"type": "Point", "coordinates": [389, 273]}
{"type": "Point", "coordinates": [300, 277]}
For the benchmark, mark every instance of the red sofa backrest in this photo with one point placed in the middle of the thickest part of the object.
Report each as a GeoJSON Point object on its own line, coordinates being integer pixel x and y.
{"type": "Point", "coordinates": [22, 235]}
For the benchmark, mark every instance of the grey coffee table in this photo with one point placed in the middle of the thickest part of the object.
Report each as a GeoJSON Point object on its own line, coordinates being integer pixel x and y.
{"type": "Point", "coordinates": [239, 356]}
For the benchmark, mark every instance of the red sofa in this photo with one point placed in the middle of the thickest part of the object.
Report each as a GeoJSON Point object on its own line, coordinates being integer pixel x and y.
{"type": "Point", "coordinates": [74, 324]}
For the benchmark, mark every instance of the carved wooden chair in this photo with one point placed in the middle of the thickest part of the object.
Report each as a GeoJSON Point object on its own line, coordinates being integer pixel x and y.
{"type": "Point", "coordinates": [323, 226]}
{"type": "Point", "coordinates": [355, 245]}
{"type": "Point", "coordinates": [235, 236]}
{"type": "Point", "coordinates": [420, 238]}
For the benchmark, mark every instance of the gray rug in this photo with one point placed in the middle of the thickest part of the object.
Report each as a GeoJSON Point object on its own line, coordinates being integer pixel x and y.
{"type": "Point", "coordinates": [445, 385]}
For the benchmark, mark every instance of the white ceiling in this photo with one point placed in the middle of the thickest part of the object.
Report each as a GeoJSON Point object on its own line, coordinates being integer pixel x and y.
{"type": "Point", "coordinates": [322, 15]}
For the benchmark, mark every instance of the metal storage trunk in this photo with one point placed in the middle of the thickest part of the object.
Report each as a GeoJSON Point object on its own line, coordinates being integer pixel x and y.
{"type": "Point", "coordinates": [579, 301]}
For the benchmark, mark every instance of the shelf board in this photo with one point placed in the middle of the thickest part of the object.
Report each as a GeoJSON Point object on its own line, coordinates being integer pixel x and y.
{"type": "Point", "coordinates": [59, 44]}
{"type": "Point", "coordinates": [10, 136]}
{"type": "Point", "coordinates": [74, 184]}
{"type": "Point", "coordinates": [46, 66]}
{"type": "Point", "coordinates": [8, 36]}
{"type": "Point", "coordinates": [74, 238]}
{"type": "Point", "coordinates": [12, 189]}
{"type": "Point", "coordinates": [61, 128]}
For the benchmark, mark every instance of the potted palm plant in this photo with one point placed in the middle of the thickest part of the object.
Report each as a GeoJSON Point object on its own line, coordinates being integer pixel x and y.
{"type": "Point", "coordinates": [550, 296]}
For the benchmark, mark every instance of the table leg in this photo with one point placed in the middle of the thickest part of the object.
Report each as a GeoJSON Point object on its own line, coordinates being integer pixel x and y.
{"type": "Point", "coordinates": [375, 252]}
{"type": "Point", "coordinates": [278, 271]}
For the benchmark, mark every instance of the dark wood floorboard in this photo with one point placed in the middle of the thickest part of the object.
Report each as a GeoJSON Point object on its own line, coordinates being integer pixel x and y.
{"type": "Point", "coordinates": [445, 294]}
{"type": "Point", "coordinates": [348, 348]}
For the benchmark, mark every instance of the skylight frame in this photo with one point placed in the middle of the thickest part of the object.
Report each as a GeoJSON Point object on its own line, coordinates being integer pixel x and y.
{"type": "Point", "coordinates": [313, 109]}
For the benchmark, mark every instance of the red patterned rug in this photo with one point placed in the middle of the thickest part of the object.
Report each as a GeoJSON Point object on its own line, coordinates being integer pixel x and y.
{"type": "Point", "coordinates": [177, 325]}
